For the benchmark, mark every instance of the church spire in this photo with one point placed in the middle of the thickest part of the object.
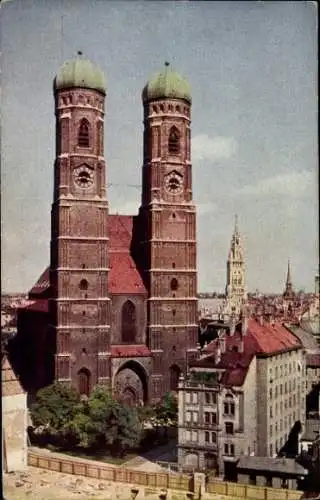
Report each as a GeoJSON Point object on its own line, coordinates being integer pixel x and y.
{"type": "Point", "coordinates": [288, 282]}
{"type": "Point", "coordinates": [288, 292]}
{"type": "Point", "coordinates": [236, 229]}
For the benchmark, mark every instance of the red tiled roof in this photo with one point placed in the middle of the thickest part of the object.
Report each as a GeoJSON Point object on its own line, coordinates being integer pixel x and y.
{"type": "Point", "coordinates": [129, 351]}
{"type": "Point", "coordinates": [272, 338]}
{"type": "Point", "coordinates": [313, 360]}
{"type": "Point", "coordinates": [40, 305]}
{"type": "Point", "coordinates": [124, 276]}
{"type": "Point", "coordinates": [260, 340]}
{"type": "Point", "coordinates": [42, 284]}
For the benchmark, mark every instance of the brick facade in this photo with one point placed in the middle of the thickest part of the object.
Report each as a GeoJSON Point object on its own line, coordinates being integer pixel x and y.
{"type": "Point", "coordinates": [120, 280]}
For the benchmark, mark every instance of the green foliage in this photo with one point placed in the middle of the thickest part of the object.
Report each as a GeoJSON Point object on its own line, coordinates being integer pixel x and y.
{"type": "Point", "coordinates": [104, 421]}
{"type": "Point", "coordinates": [54, 406]}
{"type": "Point", "coordinates": [167, 410]}
{"type": "Point", "coordinates": [204, 377]}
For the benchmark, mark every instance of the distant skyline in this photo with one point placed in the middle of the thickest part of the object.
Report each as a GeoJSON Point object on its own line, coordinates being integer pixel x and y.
{"type": "Point", "coordinates": [252, 67]}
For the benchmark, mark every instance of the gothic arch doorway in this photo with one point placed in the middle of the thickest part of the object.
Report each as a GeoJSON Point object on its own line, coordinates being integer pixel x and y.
{"type": "Point", "coordinates": [84, 381]}
{"type": "Point", "coordinates": [131, 383]}
{"type": "Point", "coordinates": [174, 373]}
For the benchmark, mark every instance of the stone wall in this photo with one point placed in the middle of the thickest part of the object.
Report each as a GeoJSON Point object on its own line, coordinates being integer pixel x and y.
{"type": "Point", "coordinates": [14, 435]}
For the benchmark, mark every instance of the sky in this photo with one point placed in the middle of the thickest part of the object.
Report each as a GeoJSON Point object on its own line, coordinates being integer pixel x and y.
{"type": "Point", "coordinates": [252, 67]}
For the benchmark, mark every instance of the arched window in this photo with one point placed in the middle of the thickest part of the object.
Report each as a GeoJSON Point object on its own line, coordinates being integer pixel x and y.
{"type": "Point", "coordinates": [174, 284]}
{"type": "Point", "coordinates": [174, 377]}
{"type": "Point", "coordinates": [83, 134]}
{"type": "Point", "coordinates": [83, 285]}
{"type": "Point", "coordinates": [84, 381]}
{"type": "Point", "coordinates": [128, 322]}
{"type": "Point", "coordinates": [174, 141]}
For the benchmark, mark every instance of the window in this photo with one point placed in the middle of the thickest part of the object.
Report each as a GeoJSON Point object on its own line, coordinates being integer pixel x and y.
{"type": "Point", "coordinates": [128, 322]}
{"type": "Point", "coordinates": [207, 398]}
{"type": "Point", "coordinates": [194, 436]}
{"type": "Point", "coordinates": [83, 285]}
{"type": "Point", "coordinates": [213, 437]}
{"type": "Point", "coordinates": [195, 417]}
{"type": "Point", "coordinates": [188, 416]}
{"type": "Point", "coordinates": [229, 427]}
{"type": "Point", "coordinates": [271, 413]}
{"type": "Point", "coordinates": [232, 449]}
{"type": "Point", "coordinates": [195, 398]}
{"type": "Point", "coordinates": [188, 397]}
{"type": "Point", "coordinates": [174, 141]}
{"type": "Point", "coordinates": [207, 437]}
{"type": "Point", "coordinates": [83, 134]}
{"type": "Point", "coordinates": [174, 284]}
{"type": "Point", "coordinates": [270, 450]}
{"type": "Point", "coordinates": [226, 449]}
{"type": "Point", "coordinates": [188, 435]}
{"type": "Point", "coordinates": [270, 430]}
{"type": "Point", "coordinates": [210, 418]}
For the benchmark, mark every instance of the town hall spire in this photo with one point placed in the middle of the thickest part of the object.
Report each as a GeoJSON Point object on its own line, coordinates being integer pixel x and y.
{"type": "Point", "coordinates": [235, 291]}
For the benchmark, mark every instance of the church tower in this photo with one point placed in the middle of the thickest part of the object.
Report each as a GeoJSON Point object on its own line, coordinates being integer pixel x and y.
{"type": "Point", "coordinates": [235, 289]}
{"type": "Point", "coordinates": [168, 219]}
{"type": "Point", "coordinates": [80, 306]}
{"type": "Point", "coordinates": [288, 291]}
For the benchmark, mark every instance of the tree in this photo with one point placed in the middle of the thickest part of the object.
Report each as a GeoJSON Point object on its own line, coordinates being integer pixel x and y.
{"type": "Point", "coordinates": [105, 421]}
{"type": "Point", "coordinates": [55, 406]}
{"type": "Point", "coordinates": [167, 411]}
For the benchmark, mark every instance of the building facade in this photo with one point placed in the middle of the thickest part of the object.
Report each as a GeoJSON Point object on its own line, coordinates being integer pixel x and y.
{"type": "Point", "coordinates": [117, 305]}
{"type": "Point", "coordinates": [241, 397]}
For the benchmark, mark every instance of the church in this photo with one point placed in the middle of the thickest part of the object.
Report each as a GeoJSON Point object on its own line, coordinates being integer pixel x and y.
{"type": "Point", "coordinates": [117, 304]}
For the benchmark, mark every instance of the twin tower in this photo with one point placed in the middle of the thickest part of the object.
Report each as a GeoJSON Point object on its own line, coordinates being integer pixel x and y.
{"type": "Point", "coordinates": [89, 313]}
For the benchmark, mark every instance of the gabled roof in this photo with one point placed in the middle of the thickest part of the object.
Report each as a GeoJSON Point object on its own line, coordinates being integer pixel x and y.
{"type": "Point", "coordinates": [307, 338]}
{"type": "Point", "coordinates": [123, 277]}
{"type": "Point", "coordinates": [272, 337]}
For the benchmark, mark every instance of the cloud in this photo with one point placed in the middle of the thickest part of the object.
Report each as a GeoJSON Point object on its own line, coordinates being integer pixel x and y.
{"type": "Point", "coordinates": [293, 185]}
{"type": "Point", "coordinates": [215, 148]}
{"type": "Point", "coordinates": [205, 208]}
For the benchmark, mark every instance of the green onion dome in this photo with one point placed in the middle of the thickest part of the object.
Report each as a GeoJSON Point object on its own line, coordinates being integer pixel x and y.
{"type": "Point", "coordinates": [80, 73]}
{"type": "Point", "coordinates": [167, 84]}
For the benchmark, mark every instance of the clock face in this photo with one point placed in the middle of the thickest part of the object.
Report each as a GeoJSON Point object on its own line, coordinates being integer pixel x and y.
{"type": "Point", "coordinates": [173, 183]}
{"type": "Point", "coordinates": [83, 176]}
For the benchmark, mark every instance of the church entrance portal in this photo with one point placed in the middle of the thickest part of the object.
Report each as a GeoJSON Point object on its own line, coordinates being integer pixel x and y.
{"type": "Point", "coordinates": [130, 383]}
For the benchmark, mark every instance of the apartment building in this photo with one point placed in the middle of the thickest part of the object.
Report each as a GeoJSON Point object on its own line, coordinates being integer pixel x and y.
{"type": "Point", "coordinates": [241, 396]}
